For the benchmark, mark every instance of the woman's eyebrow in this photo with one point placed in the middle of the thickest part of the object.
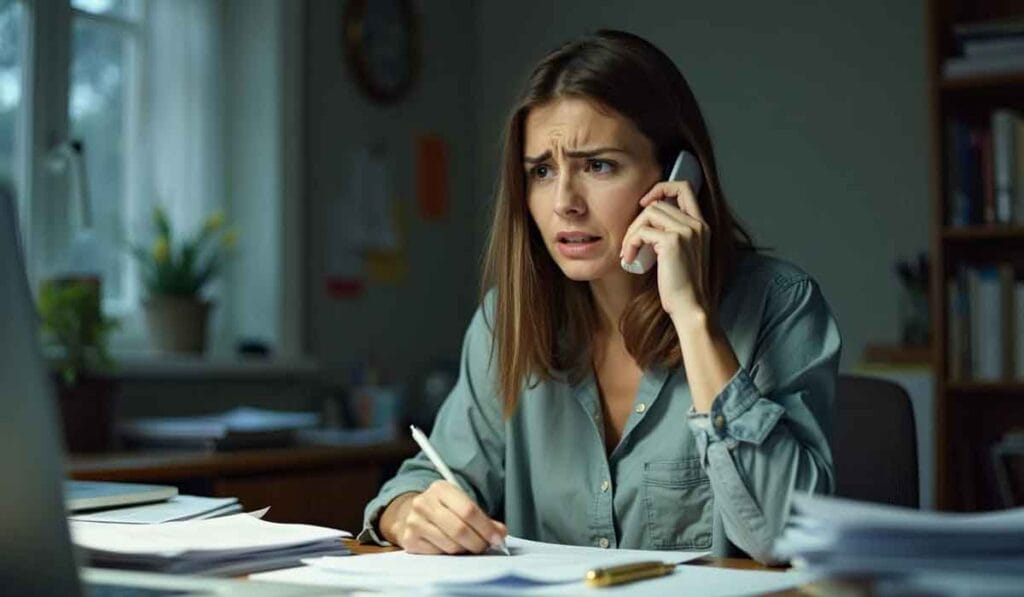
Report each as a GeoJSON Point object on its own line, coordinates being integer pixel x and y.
{"type": "Point", "coordinates": [580, 153]}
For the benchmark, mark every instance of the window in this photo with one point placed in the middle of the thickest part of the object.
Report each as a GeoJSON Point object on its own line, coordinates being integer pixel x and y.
{"type": "Point", "coordinates": [12, 36]}
{"type": "Point", "coordinates": [103, 114]}
{"type": "Point", "coordinates": [181, 102]}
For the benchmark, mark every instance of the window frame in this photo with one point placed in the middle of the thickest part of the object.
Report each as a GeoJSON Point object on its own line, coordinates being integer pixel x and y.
{"type": "Point", "coordinates": [46, 92]}
{"type": "Point", "coordinates": [134, 129]}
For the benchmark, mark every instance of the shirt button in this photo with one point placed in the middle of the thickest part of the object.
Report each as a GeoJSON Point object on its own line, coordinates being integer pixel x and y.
{"type": "Point", "coordinates": [719, 422]}
{"type": "Point", "coordinates": [605, 485]}
{"type": "Point", "coordinates": [641, 407]}
{"type": "Point", "coordinates": [603, 542]}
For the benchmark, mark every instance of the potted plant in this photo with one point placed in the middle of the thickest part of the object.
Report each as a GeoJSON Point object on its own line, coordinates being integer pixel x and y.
{"type": "Point", "coordinates": [75, 330]}
{"type": "Point", "coordinates": [175, 275]}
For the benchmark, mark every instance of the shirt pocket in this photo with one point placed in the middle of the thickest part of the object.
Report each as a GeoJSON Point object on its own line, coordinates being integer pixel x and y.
{"type": "Point", "coordinates": [677, 496]}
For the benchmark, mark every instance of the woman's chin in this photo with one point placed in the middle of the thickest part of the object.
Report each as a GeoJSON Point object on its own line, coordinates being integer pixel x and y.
{"type": "Point", "coordinates": [584, 271]}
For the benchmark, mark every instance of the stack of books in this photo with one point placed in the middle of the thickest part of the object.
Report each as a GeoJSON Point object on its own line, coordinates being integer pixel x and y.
{"type": "Point", "coordinates": [841, 537]}
{"type": "Point", "coordinates": [986, 170]}
{"type": "Point", "coordinates": [986, 323]}
{"type": "Point", "coordinates": [987, 47]}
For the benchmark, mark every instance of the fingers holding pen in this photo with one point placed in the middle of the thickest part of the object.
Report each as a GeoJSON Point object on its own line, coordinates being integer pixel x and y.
{"type": "Point", "coordinates": [467, 511]}
{"type": "Point", "coordinates": [443, 519]}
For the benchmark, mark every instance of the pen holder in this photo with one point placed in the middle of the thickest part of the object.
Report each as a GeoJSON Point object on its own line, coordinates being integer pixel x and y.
{"type": "Point", "coordinates": [915, 320]}
{"type": "Point", "coordinates": [376, 406]}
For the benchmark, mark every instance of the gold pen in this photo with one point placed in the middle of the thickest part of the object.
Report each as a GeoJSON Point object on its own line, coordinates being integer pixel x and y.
{"type": "Point", "coordinates": [624, 573]}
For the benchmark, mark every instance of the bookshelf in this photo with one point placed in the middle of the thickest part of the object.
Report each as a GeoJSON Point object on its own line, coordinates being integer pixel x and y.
{"type": "Point", "coordinates": [971, 415]}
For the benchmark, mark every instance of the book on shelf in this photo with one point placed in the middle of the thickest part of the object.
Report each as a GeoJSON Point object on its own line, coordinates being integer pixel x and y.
{"type": "Point", "coordinates": [986, 324]}
{"type": "Point", "coordinates": [986, 48]}
{"type": "Point", "coordinates": [985, 173]}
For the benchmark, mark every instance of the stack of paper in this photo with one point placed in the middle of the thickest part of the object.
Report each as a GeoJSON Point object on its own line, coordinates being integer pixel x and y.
{"type": "Point", "coordinates": [92, 495]}
{"type": "Point", "coordinates": [181, 507]}
{"type": "Point", "coordinates": [534, 568]}
{"type": "Point", "coordinates": [833, 535]}
{"type": "Point", "coordinates": [238, 428]}
{"type": "Point", "coordinates": [228, 545]}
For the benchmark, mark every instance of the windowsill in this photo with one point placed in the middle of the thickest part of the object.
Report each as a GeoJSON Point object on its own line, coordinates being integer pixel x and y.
{"type": "Point", "coordinates": [142, 366]}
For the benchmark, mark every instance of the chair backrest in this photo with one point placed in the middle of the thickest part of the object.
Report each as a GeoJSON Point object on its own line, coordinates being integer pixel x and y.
{"type": "Point", "coordinates": [874, 442]}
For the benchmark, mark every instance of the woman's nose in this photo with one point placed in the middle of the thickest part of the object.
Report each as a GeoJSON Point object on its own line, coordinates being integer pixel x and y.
{"type": "Point", "coordinates": [569, 203]}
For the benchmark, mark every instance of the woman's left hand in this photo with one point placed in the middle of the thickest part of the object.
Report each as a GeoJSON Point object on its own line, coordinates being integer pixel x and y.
{"type": "Point", "coordinates": [681, 239]}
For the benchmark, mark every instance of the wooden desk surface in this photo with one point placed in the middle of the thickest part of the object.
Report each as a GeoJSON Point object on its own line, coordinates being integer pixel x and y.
{"type": "Point", "coordinates": [155, 465]}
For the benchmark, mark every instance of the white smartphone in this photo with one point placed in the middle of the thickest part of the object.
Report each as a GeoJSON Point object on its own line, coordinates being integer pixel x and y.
{"type": "Point", "coordinates": [687, 168]}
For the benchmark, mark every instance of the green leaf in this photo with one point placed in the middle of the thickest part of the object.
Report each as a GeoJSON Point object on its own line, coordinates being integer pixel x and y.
{"type": "Point", "coordinates": [163, 225]}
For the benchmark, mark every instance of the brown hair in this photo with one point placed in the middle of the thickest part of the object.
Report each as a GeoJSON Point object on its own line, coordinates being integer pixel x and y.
{"type": "Point", "coordinates": [544, 323]}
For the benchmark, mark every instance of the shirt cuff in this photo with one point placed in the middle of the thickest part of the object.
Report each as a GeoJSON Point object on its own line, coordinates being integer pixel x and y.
{"type": "Point", "coordinates": [369, 534]}
{"type": "Point", "coordinates": [738, 413]}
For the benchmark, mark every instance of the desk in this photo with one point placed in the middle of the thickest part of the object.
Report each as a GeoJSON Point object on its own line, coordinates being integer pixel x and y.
{"type": "Point", "coordinates": [327, 486]}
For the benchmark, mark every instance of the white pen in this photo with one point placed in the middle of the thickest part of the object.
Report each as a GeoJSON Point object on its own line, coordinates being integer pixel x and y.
{"type": "Point", "coordinates": [442, 468]}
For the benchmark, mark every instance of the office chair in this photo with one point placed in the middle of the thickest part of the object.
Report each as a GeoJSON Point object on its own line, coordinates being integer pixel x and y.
{"type": "Point", "coordinates": [874, 442]}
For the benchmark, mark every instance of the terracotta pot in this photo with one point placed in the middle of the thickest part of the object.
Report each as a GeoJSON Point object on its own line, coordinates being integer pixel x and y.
{"type": "Point", "coordinates": [86, 410]}
{"type": "Point", "coordinates": [177, 324]}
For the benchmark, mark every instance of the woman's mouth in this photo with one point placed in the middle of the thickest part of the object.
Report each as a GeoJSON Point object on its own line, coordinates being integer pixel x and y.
{"type": "Point", "coordinates": [577, 245]}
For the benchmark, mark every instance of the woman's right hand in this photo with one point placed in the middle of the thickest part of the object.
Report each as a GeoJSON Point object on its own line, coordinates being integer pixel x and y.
{"type": "Point", "coordinates": [442, 519]}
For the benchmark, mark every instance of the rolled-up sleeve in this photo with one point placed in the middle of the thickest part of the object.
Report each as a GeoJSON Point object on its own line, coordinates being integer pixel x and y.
{"type": "Point", "coordinates": [767, 434]}
{"type": "Point", "coordinates": [468, 434]}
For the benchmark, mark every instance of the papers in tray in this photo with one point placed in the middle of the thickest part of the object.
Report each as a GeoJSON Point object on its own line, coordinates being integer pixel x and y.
{"type": "Point", "coordinates": [241, 427]}
{"type": "Point", "coordinates": [182, 507]}
{"type": "Point", "coordinates": [841, 536]}
{"type": "Point", "coordinates": [534, 568]}
{"type": "Point", "coordinates": [228, 545]}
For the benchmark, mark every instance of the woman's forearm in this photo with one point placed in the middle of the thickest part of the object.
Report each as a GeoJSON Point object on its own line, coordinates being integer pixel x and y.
{"type": "Point", "coordinates": [707, 357]}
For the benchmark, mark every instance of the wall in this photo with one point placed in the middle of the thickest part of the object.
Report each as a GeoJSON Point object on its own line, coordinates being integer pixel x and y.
{"type": "Point", "coordinates": [818, 112]}
{"type": "Point", "coordinates": [424, 316]}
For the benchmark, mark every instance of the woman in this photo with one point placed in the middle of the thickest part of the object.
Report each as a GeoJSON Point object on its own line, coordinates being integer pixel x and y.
{"type": "Point", "coordinates": [678, 409]}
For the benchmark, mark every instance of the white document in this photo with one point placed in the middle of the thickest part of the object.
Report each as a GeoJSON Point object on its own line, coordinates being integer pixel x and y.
{"type": "Point", "coordinates": [181, 507]}
{"type": "Point", "coordinates": [534, 568]}
{"type": "Point", "coordinates": [543, 562]}
{"type": "Point", "coordinates": [239, 532]}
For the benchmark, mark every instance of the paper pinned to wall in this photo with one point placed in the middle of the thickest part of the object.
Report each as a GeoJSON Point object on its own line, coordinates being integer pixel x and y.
{"type": "Point", "coordinates": [361, 222]}
{"type": "Point", "coordinates": [390, 266]}
{"type": "Point", "coordinates": [369, 206]}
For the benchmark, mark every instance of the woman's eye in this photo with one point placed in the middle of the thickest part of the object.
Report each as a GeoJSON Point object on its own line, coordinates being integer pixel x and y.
{"type": "Point", "coordinates": [540, 171]}
{"type": "Point", "coordinates": [600, 166]}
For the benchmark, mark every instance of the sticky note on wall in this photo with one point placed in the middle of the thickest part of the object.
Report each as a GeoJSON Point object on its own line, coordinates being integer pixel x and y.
{"type": "Point", "coordinates": [432, 176]}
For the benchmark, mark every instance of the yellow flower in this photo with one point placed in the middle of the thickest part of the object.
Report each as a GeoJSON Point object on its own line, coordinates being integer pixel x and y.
{"type": "Point", "coordinates": [161, 250]}
{"type": "Point", "coordinates": [230, 239]}
{"type": "Point", "coordinates": [214, 222]}
{"type": "Point", "coordinates": [163, 226]}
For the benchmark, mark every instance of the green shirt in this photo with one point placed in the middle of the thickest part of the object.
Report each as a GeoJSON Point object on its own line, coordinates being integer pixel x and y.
{"type": "Point", "coordinates": [677, 479]}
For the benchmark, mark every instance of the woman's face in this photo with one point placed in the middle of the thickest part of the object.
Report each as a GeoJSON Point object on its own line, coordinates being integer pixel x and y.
{"type": "Point", "coordinates": [586, 169]}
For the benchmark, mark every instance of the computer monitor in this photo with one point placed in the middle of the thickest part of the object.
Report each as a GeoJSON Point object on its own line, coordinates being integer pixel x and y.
{"type": "Point", "coordinates": [35, 548]}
